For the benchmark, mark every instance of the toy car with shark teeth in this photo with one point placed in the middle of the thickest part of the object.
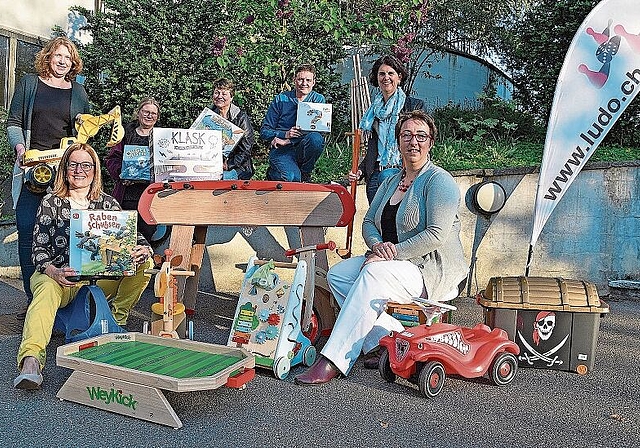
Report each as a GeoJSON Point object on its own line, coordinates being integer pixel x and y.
{"type": "Point", "coordinates": [425, 355]}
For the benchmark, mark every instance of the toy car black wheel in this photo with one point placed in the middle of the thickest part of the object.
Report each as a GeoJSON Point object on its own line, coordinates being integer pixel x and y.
{"type": "Point", "coordinates": [385, 368]}
{"type": "Point", "coordinates": [431, 379]}
{"type": "Point", "coordinates": [38, 178]}
{"type": "Point", "coordinates": [503, 369]}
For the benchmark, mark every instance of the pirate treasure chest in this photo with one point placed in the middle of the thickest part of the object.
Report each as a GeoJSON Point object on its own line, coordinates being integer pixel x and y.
{"type": "Point", "coordinates": [554, 321]}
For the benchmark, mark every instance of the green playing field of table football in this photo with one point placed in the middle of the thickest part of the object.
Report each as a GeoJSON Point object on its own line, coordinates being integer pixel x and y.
{"type": "Point", "coordinates": [158, 359]}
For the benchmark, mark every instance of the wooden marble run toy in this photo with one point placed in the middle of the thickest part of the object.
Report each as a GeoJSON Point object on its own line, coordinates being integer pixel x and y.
{"type": "Point", "coordinates": [169, 312]}
{"type": "Point", "coordinates": [426, 354]}
{"type": "Point", "coordinates": [125, 373]}
{"type": "Point", "coordinates": [42, 165]}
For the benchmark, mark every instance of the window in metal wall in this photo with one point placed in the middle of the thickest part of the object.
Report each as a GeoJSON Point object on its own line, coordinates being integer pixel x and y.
{"type": "Point", "coordinates": [17, 55]}
{"type": "Point", "coordinates": [25, 57]}
{"type": "Point", "coordinates": [4, 63]}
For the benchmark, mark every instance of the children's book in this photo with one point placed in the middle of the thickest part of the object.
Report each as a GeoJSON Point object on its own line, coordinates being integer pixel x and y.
{"type": "Point", "coordinates": [186, 154]}
{"type": "Point", "coordinates": [101, 242]}
{"type": "Point", "coordinates": [231, 134]}
{"type": "Point", "coordinates": [136, 163]}
{"type": "Point", "coordinates": [314, 117]}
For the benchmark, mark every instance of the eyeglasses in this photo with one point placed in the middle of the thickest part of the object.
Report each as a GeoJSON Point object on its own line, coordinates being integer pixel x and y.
{"type": "Point", "coordinates": [420, 138]}
{"type": "Point", "coordinates": [148, 113]}
{"type": "Point", "coordinates": [85, 166]}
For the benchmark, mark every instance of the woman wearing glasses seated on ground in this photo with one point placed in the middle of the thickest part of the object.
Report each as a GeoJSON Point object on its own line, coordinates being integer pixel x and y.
{"type": "Point", "coordinates": [413, 231]}
{"type": "Point", "coordinates": [78, 185]}
{"type": "Point", "coordinates": [137, 133]}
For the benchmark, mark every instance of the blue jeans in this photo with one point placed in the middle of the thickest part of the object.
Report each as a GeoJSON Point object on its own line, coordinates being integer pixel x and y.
{"type": "Point", "coordinates": [376, 178]}
{"type": "Point", "coordinates": [295, 162]}
{"type": "Point", "coordinates": [26, 209]}
{"type": "Point", "coordinates": [230, 175]}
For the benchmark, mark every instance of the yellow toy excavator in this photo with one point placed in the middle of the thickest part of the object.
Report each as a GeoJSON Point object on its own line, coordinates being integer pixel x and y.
{"type": "Point", "coordinates": [42, 165]}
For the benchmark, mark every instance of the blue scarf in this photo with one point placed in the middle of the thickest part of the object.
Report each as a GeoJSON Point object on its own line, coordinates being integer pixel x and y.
{"type": "Point", "coordinates": [387, 115]}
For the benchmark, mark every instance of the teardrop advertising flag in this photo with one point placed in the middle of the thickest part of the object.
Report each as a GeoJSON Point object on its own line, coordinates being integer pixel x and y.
{"type": "Point", "coordinates": [599, 78]}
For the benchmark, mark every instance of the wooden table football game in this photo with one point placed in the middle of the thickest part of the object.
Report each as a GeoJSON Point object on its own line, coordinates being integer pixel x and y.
{"type": "Point", "coordinates": [125, 373]}
{"type": "Point", "coordinates": [190, 207]}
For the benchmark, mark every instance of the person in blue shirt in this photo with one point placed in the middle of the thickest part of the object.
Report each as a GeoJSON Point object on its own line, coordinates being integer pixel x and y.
{"type": "Point", "coordinates": [293, 152]}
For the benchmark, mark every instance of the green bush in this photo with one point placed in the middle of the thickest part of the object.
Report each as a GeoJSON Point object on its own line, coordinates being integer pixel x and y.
{"type": "Point", "coordinates": [6, 153]}
{"type": "Point", "coordinates": [494, 121]}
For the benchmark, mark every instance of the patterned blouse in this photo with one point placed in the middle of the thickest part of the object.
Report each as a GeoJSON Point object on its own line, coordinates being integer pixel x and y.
{"type": "Point", "coordinates": [51, 232]}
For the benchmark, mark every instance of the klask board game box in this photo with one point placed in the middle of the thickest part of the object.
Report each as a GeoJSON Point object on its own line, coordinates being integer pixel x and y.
{"type": "Point", "coordinates": [136, 163]}
{"type": "Point", "coordinates": [100, 242]}
{"type": "Point", "coordinates": [314, 117]}
{"type": "Point", "coordinates": [231, 134]}
{"type": "Point", "coordinates": [186, 154]}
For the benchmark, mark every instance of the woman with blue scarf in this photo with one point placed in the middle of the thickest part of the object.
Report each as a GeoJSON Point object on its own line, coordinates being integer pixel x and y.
{"type": "Point", "coordinates": [383, 158]}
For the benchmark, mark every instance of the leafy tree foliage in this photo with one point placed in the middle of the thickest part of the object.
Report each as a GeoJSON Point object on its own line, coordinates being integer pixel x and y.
{"type": "Point", "coordinates": [419, 32]}
{"type": "Point", "coordinates": [174, 50]}
{"type": "Point", "coordinates": [534, 44]}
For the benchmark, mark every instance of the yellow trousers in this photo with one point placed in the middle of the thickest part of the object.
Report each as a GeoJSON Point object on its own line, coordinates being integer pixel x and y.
{"type": "Point", "coordinates": [49, 296]}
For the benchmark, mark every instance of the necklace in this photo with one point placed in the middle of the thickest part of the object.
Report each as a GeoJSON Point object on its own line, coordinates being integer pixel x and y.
{"type": "Point", "coordinates": [402, 186]}
{"type": "Point", "coordinates": [79, 205]}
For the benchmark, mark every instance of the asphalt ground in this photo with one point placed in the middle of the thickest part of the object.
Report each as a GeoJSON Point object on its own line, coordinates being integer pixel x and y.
{"type": "Point", "coordinates": [541, 408]}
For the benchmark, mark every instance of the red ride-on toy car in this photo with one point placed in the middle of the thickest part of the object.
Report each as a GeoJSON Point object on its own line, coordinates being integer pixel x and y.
{"type": "Point", "coordinates": [425, 355]}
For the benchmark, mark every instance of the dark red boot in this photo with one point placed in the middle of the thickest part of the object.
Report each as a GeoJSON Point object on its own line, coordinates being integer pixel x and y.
{"type": "Point", "coordinates": [322, 371]}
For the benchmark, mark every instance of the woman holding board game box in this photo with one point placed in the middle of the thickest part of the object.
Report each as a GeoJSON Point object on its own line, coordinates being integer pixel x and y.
{"type": "Point", "coordinates": [78, 185]}
{"type": "Point", "coordinates": [126, 190]}
{"type": "Point", "coordinates": [237, 164]}
{"type": "Point", "coordinates": [382, 159]}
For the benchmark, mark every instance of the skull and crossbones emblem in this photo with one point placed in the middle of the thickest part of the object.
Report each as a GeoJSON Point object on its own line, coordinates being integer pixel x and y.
{"type": "Point", "coordinates": [543, 326]}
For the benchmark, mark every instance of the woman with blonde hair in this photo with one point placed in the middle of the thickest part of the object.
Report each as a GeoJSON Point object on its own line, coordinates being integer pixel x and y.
{"type": "Point", "coordinates": [78, 185]}
{"type": "Point", "coordinates": [136, 133]}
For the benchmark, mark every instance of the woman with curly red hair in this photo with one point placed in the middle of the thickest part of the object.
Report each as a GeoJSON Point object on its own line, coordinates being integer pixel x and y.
{"type": "Point", "coordinates": [43, 111]}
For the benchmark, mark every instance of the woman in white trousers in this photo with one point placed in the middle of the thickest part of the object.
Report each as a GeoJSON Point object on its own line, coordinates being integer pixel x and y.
{"type": "Point", "coordinates": [413, 232]}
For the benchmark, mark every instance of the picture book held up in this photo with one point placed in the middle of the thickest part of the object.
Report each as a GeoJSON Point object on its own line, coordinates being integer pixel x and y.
{"type": "Point", "coordinates": [314, 117]}
{"type": "Point", "coordinates": [231, 134]}
{"type": "Point", "coordinates": [136, 163]}
{"type": "Point", "coordinates": [101, 242]}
